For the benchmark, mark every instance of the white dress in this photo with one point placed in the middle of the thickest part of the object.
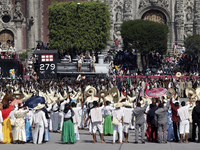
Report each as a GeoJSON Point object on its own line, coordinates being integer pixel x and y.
{"type": "Point", "coordinates": [19, 130]}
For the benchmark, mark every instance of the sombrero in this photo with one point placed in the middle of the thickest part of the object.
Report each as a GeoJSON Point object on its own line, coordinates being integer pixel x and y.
{"type": "Point", "coordinates": [190, 92]}
{"type": "Point", "coordinates": [178, 74]}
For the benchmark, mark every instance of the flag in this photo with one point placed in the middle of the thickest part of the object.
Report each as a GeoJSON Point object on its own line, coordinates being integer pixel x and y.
{"type": "Point", "coordinates": [129, 79]}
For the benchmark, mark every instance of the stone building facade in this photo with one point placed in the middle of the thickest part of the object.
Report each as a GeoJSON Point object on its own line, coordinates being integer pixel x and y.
{"type": "Point", "coordinates": [26, 21]}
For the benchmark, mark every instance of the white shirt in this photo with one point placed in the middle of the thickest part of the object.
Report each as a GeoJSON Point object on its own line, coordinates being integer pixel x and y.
{"type": "Point", "coordinates": [29, 116]}
{"type": "Point", "coordinates": [96, 115]}
{"type": "Point", "coordinates": [183, 113]}
{"type": "Point", "coordinates": [92, 59]}
{"type": "Point", "coordinates": [62, 105]}
{"type": "Point", "coordinates": [68, 114]}
{"type": "Point", "coordinates": [1, 118]}
{"type": "Point", "coordinates": [76, 114]}
{"type": "Point", "coordinates": [39, 118]}
{"type": "Point", "coordinates": [108, 110]}
{"type": "Point", "coordinates": [127, 118]}
{"type": "Point", "coordinates": [118, 114]}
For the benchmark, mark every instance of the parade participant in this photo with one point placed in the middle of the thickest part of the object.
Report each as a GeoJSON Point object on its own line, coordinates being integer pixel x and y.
{"type": "Point", "coordinates": [161, 122]}
{"type": "Point", "coordinates": [96, 118]}
{"type": "Point", "coordinates": [67, 135]}
{"type": "Point", "coordinates": [195, 117]}
{"type": "Point", "coordinates": [174, 108]}
{"type": "Point", "coordinates": [183, 116]}
{"type": "Point", "coordinates": [107, 126]}
{"type": "Point", "coordinates": [39, 123]}
{"type": "Point", "coordinates": [55, 116]}
{"type": "Point", "coordinates": [138, 113]}
{"type": "Point", "coordinates": [151, 120]}
{"type": "Point", "coordinates": [92, 63]}
{"type": "Point", "coordinates": [7, 131]}
{"type": "Point", "coordinates": [19, 135]}
{"type": "Point", "coordinates": [1, 124]}
{"type": "Point", "coordinates": [28, 122]}
{"type": "Point", "coordinates": [117, 122]}
{"type": "Point", "coordinates": [127, 111]}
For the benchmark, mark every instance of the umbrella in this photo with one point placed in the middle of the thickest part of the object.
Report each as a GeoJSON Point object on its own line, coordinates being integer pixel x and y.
{"type": "Point", "coordinates": [33, 101]}
{"type": "Point", "coordinates": [156, 92]}
{"type": "Point", "coordinates": [39, 42]}
{"type": "Point", "coordinates": [16, 102]}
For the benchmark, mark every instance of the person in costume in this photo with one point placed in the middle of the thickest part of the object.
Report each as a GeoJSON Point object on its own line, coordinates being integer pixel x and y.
{"type": "Point", "coordinates": [68, 135]}
{"type": "Point", "coordinates": [39, 123]}
{"type": "Point", "coordinates": [117, 113]}
{"type": "Point", "coordinates": [28, 121]}
{"type": "Point", "coordinates": [107, 126]}
{"type": "Point", "coordinates": [128, 110]}
{"type": "Point", "coordinates": [7, 130]}
{"type": "Point", "coordinates": [96, 119]}
{"type": "Point", "coordinates": [19, 134]}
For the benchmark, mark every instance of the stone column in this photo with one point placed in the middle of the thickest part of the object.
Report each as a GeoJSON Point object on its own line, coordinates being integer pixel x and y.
{"type": "Point", "coordinates": [179, 21]}
{"type": "Point", "coordinates": [197, 17]}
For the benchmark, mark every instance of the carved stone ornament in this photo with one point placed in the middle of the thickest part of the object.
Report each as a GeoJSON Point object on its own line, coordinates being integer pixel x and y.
{"type": "Point", "coordinates": [18, 16]}
{"type": "Point", "coordinates": [5, 7]}
{"type": "Point", "coordinates": [145, 3]}
{"type": "Point", "coordinates": [128, 6]}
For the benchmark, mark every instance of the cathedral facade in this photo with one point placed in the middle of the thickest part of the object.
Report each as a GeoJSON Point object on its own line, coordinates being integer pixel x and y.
{"type": "Point", "coordinates": [26, 21]}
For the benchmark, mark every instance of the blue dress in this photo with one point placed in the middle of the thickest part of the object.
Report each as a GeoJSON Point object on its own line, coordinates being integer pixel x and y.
{"type": "Point", "coordinates": [46, 135]}
{"type": "Point", "coordinates": [170, 135]}
{"type": "Point", "coordinates": [28, 130]}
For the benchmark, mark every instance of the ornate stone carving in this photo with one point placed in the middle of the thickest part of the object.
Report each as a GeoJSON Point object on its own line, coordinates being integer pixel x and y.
{"type": "Point", "coordinates": [119, 15]}
{"type": "Point", "coordinates": [197, 17]}
{"type": "Point", "coordinates": [18, 15]}
{"type": "Point", "coordinates": [5, 7]}
{"type": "Point", "coordinates": [188, 30]}
{"type": "Point", "coordinates": [145, 3]}
{"type": "Point", "coordinates": [127, 6]}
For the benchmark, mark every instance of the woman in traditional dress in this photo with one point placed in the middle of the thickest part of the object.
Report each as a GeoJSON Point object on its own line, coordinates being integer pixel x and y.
{"type": "Point", "coordinates": [107, 126]}
{"type": "Point", "coordinates": [68, 135]}
{"type": "Point", "coordinates": [7, 130]}
{"type": "Point", "coordinates": [28, 122]}
{"type": "Point", "coordinates": [19, 134]}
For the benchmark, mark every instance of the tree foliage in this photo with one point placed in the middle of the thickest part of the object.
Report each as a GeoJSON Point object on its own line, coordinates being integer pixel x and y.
{"type": "Point", "coordinates": [192, 45]}
{"type": "Point", "coordinates": [74, 27]}
{"type": "Point", "coordinates": [145, 36]}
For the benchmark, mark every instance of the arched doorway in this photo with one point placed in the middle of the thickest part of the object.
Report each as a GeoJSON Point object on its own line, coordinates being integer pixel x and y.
{"type": "Point", "coordinates": [155, 15]}
{"type": "Point", "coordinates": [6, 39]}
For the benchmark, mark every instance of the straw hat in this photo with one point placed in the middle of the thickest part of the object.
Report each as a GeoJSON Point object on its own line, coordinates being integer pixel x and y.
{"type": "Point", "coordinates": [131, 99]}
{"type": "Point", "coordinates": [122, 98]}
{"type": "Point", "coordinates": [117, 105]}
{"type": "Point", "coordinates": [190, 92]}
{"type": "Point", "coordinates": [109, 98]}
{"type": "Point", "coordinates": [128, 104]}
{"type": "Point", "coordinates": [102, 94]}
{"type": "Point", "coordinates": [90, 99]}
{"type": "Point", "coordinates": [178, 74]}
{"type": "Point", "coordinates": [17, 93]}
{"type": "Point", "coordinates": [198, 92]}
{"type": "Point", "coordinates": [39, 106]}
{"type": "Point", "coordinates": [90, 91]}
{"type": "Point", "coordinates": [114, 92]}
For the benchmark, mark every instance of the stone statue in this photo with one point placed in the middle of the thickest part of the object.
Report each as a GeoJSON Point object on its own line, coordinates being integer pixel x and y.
{"type": "Point", "coordinates": [119, 16]}
{"type": "Point", "coordinates": [189, 14]}
{"type": "Point", "coordinates": [128, 6]}
{"type": "Point", "coordinates": [18, 14]}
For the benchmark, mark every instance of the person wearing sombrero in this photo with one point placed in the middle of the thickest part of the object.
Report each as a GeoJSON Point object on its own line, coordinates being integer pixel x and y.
{"type": "Point", "coordinates": [68, 135]}
{"type": "Point", "coordinates": [39, 123]}
{"type": "Point", "coordinates": [19, 134]}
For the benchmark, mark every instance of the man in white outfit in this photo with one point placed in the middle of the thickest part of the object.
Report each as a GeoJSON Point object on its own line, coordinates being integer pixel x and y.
{"type": "Point", "coordinates": [39, 123]}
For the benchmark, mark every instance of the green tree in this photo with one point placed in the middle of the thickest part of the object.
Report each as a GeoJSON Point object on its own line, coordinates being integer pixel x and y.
{"type": "Point", "coordinates": [145, 36]}
{"type": "Point", "coordinates": [75, 26]}
{"type": "Point", "coordinates": [192, 45]}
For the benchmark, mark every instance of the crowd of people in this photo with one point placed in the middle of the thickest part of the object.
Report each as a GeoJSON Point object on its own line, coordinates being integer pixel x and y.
{"type": "Point", "coordinates": [72, 104]}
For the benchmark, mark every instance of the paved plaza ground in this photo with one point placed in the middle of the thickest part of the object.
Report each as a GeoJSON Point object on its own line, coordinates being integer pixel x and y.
{"type": "Point", "coordinates": [86, 144]}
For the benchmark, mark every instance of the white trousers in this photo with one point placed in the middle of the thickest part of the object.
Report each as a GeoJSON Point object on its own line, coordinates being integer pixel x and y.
{"type": "Point", "coordinates": [61, 118]}
{"type": "Point", "coordinates": [50, 122]}
{"type": "Point", "coordinates": [55, 121]}
{"type": "Point", "coordinates": [1, 133]}
{"type": "Point", "coordinates": [38, 133]}
{"type": "Point", "coordinates": [119, 130]}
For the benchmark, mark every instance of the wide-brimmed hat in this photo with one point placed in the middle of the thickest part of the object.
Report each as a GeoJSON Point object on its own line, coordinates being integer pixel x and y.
{"type": "Point", "coordinates": [90, 91]}
{"type": "Point", "coordinates": [131, 99]}
{"type": "Point", "coordinates": [102, 94]}
{"type": "Point", "coordinates": [171, 91]}
{"type": "Point", "coordinates": [178, 74]}
{"type": "Point", "coordinates": [109, 98]}
{"type": "Point", "coordinates": [117, 105]}
{"type": "Point", "coordinates": [122, 97]}
{"type": "Point", "coordinates": [39, 106]}
{"type": "Point", "coordinates": [128, 104]}
{"type": "Point", "coordinates": [90, 99]}
{"type": "Point", "coordinates": [190, 92]}
{"type": "Point", "coordinates": [198, 92]}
